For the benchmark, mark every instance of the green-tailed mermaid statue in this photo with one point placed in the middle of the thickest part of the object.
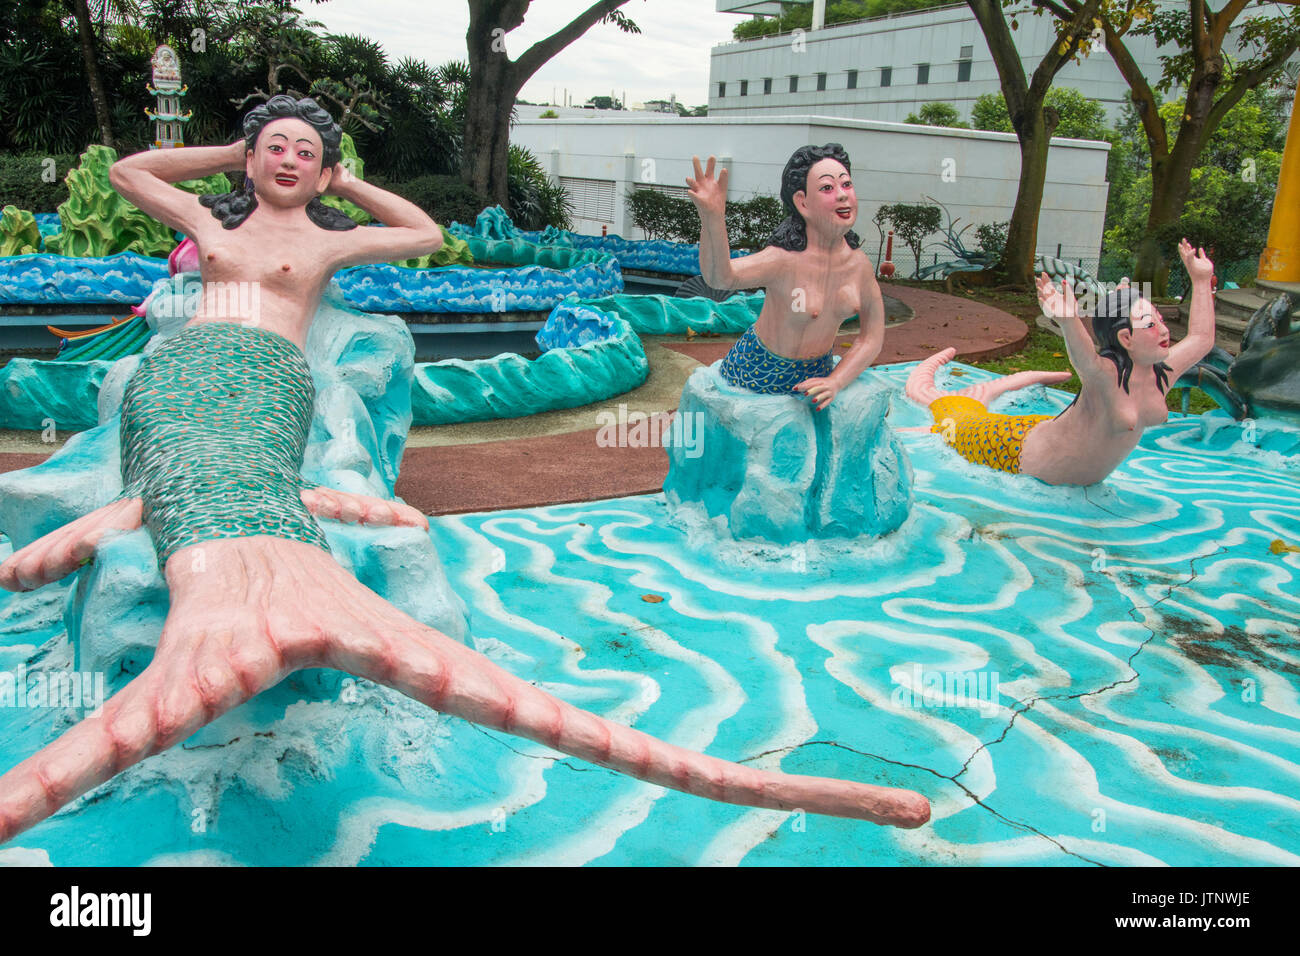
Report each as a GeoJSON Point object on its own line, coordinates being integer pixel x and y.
{"type": "Point", "coordinates": [214, 427]}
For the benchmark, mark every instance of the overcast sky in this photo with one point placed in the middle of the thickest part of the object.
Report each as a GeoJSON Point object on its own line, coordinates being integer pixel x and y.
{"type": "Point", "coordinates": [670, 55]}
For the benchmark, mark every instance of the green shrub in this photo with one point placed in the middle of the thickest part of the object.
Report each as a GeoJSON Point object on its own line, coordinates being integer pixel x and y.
{"type": "Point", "coordinates": [535, 201]}
{"type": "Point", "coordinates": [660, 216]}
{"type": "Point", "coordinates": [446, 198]}
{"type": "Point", "coordinates": [992, 237]}
{"type": "Point", "coordinates": [751, 222]}
{"type": "Point", "coordinates": [912, 223]}
{"type": "Point", "coordinates": [23, 180]}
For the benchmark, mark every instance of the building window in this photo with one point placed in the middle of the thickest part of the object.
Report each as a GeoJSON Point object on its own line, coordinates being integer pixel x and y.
{"type": "Point", "coordinates": [853, 79]}
{"type": "Point", "coordinates": [966, 53]}
{"type": "Point", "coordinates": [744, 87]}
{"type": "Point", "coordinates": [794, 84]}
{"type": "Point", "coordinates": [722, 90]}
{"type": "Point", "coordinates": [886, 74]}
{"type": "Point", "coordinates": [821, 81]}
{"type": "Point", "coordinates": [963, 71]}
{"type": "Point", "coordinates": [591, 198]}
{"type": "Point", "coordinates": [922, 74]}
{"type": "Point", "coordinates": [767, 86]}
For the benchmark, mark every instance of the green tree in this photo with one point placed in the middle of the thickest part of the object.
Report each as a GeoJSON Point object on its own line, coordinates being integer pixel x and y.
{"type": "Point", "coordinates": [937, 114]}
{"type": "Point", "coordinates": [912, 223]}
{"type": "Point", "coordinates": [1200, 63]}
{"type": "Point", "coordinates": [1230, 193]}
{"type": "Point", "coordinates": [495, 81]}
{"type": "Point", "coordinates": [1031, 120]}
{"type": "Point", "coordinates": [1077, 116]}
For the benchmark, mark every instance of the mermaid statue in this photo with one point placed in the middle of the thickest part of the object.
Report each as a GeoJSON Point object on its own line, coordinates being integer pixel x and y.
{"type": "Point", "coordinates": [213, 429]}
{"type": "Point", "coordinates": [813, 272]}
{"type": "Point", "coordinates": [1122, 389]}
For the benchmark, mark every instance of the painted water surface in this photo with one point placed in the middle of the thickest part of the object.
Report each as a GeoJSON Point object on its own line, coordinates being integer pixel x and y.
{"type": "Point", "coordinates": [1073, 676]}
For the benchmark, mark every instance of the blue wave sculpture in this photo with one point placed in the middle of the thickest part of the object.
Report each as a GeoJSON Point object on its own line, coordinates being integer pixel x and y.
{"type": "Point", "coordinates": [590, 355]}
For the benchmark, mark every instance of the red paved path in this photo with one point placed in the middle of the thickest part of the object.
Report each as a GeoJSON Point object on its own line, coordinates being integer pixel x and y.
{"type": "Point", "coordinates": [528, 472]}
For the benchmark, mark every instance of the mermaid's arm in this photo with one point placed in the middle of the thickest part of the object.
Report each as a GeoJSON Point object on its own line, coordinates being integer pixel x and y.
{"type": "Point", "coordinates": [1200, 320]}
{"type": "Point", "coordinates": [1079, 347]}
{"type": "Point", "coordinates": [408, 230]}
{"type": "Point", "coordinates": [716, 265]}
{"type": "Point", "coordinates": [62, 551]}
{"type": "Point", "coordinates": [145, 179]}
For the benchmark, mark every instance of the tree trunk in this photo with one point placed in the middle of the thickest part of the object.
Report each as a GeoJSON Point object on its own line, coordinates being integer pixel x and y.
{"type": "Point", "coordinates": [485, 151]}
{"type": "Point", "coordinates": [1171, 181]}
{"type": "Point", "coordinates": [1022, 233]}
{"type": "Point", "coordinates": [96, 83]}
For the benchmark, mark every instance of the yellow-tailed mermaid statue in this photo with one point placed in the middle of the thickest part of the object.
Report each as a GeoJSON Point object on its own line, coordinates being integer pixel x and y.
{"type": "Point", "coordinates": [1122, 391]}
{"type": "Point", "coordinates": [214, 425]}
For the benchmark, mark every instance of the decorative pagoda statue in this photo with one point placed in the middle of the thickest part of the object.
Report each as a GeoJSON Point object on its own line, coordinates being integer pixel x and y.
{"type": "Point", "coordinates": [166, 86]}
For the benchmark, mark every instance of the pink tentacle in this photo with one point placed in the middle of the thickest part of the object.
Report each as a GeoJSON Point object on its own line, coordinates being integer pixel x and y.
{"type": "Point", "coordinates": [345, 506]}
{"type": "Point", "coordinates": [920, 386]}
{"type": "Point", "coordinates": [87, 755]}
{"type": "Point", "coordinates": [65, 549]}
{"type": "Point", "coordinates": [456, 680]}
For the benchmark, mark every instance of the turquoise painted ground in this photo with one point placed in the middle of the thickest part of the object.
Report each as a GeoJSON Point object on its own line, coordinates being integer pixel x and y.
{"type": "Point", "coordinates": [1132, 652]}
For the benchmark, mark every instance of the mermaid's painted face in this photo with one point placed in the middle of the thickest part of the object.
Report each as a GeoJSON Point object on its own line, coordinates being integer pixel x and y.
{"type": "Point", "coordinates": [1149, 341]}
{"type": "Point", "coordinates": [829, 199]}
{"type": "Point", "coordinates": [286, 163]}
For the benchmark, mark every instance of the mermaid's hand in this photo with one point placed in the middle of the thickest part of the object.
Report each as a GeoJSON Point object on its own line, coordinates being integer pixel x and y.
{"type": "Point", "coordinates": [822, 391]}
{"type": "Point", "coordinates": [345, 506]}
{"type": "Point", "coordinates": [62, 551]}
{"type": "Point", "coordinates": [1057, 303]}
{"type": "Point", "coordinates": [708, 194]}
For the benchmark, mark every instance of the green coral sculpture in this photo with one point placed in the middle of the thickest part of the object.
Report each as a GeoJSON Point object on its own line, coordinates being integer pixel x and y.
{"type": "Point", "coordinates": [19, 234]}
{"type": "Point", "coordinates": [357, 166]}
{"type": "Point", "coordinates": [97, 221]}
{"type": "Point", "coordinates": [454, 252]}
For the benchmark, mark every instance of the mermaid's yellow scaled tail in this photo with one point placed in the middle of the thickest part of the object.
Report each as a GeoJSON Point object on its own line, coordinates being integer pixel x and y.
{"type": "Point", "coordinates": [965, 422]}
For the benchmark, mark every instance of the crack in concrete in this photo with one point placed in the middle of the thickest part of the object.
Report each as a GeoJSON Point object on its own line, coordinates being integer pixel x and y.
{"type": "Point", "coordinates": [1022, 707]}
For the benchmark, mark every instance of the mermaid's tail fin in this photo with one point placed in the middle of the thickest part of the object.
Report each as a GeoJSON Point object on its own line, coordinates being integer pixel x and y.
{"type": "Point", "coordinates": [921, 388]}
{"type": "Point", "coordinates": [65, 549]}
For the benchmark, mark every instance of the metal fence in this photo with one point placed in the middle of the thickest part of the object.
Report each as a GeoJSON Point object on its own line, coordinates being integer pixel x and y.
{"type": "Point", "coordinates": [1106, 268]}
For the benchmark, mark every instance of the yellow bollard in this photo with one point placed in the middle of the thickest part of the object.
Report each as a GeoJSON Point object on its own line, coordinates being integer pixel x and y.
{"type": "Point", "coordinates": [1280, 260]}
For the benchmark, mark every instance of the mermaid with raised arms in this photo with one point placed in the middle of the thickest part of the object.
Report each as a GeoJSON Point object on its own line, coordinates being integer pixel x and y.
{"type": "Point", "coordinates": [814, 273]}
{"type": "Point", "coordinates": [1122, 390]}
{"type": "Point", "coordinates": [214, 427]}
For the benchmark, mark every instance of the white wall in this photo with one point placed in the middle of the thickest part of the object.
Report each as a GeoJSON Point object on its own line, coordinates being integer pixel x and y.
{"type": "Point", "coordinates": [892, 162]}
{"type": "Point", "coordinates": [901, 42]}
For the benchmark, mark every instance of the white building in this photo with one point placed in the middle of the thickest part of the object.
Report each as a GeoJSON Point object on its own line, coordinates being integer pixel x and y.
{"type": "Point", "coordinates": [888, 67]}
{"type": "Point", "coordinates": [599, 160]}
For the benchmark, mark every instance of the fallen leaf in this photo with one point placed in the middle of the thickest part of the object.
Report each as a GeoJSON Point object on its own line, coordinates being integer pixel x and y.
{"type": "Point", "coordinates": [1278, 546]}
{"type": "Point", "coordinates": [846, 345]}
{"type": "Point", "coordinates": [652, 598]}
{"type": "Point", "coordinates": [1058, 355]}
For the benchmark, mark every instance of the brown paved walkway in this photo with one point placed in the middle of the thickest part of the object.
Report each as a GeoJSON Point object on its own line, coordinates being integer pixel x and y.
{"type": "Point", "coordinates": [481, 474]}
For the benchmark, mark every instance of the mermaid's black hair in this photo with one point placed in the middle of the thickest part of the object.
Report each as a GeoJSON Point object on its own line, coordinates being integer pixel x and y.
{"type": "Point", "coordinates": [792, 234]}
{"type": "Point", "coordinates": [233, 208]}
